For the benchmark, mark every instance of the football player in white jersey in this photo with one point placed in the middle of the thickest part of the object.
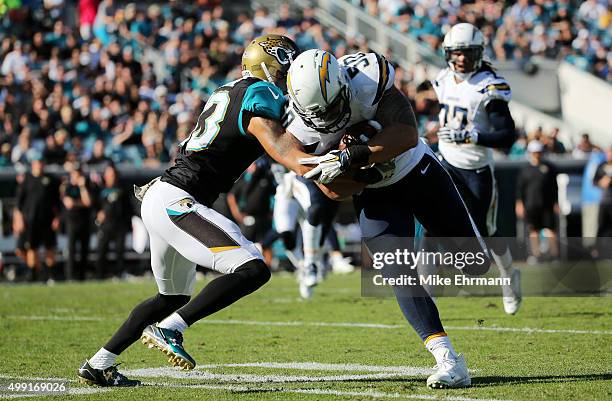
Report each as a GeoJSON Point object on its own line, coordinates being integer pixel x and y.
{"type": "Point", "coordinates": [299, 201]}
{"type": "Point", "coordinates": [474, 119]}
{"type": "Point", "coordinates": [406, 180]}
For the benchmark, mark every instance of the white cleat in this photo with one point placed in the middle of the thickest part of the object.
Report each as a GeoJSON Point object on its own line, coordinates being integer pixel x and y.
{"type": "Point", "coordinates": [308, 280]}
{"type": "Point", "coordinates": [309, 275]}
{"type": "Point", "coordinates": [451, 373]}
{"type": "Point", "coordinates": [512, 294]}
{"type": "Point", "coordinates": [341, 265]}
{"type": "Point", "coordinates": [306, 291]}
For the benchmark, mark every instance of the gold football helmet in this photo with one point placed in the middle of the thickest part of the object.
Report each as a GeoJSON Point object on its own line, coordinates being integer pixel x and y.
{"type": "Point", "coordinates": [268, 57]}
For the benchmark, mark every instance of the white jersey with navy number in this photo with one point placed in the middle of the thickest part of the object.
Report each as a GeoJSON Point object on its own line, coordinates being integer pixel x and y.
{"type": "Point", "coordinates": [369, 75]}
{"type": "Point", "coordinates": [462, 105]}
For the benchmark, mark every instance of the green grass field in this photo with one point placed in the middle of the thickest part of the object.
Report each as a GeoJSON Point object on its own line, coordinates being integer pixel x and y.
{"type": "Point", "coordinates": [336, 346]}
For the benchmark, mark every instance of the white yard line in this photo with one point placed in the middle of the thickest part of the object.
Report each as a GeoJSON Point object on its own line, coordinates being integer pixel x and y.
{"type": "Point", "coordinates": [262, 378]}
{"type": "Point", "coordinates": [528, 330]}
{"type": "Point", "coordinates": [59, 318]}
{"type": "Point", "coordinates": [399, 326]}
{"type": "Point", "coordinates": [375, 372]}
{"type": "Point", "coordinates": [332, 324]}
{"type": "Point", "coordinates": [347, 367]}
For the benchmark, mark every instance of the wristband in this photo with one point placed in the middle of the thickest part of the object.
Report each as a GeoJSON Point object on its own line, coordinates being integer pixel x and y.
{"type": "Point", "coordinates": [359, 155]}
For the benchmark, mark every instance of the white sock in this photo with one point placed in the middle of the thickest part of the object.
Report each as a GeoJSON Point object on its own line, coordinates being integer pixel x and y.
{"type": "Point", "coordinates": [504, 263]}
{"type": "Point", "coordinates": [174, 322]}
{"type": "Point", "coordinates": [102, 359]}
{"type": "Point", "coordinates": [441, 348]}
{"type": "Point", "coordinates": [311, 238]}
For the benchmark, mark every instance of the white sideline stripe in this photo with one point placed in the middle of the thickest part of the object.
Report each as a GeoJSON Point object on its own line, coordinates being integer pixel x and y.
{"type": "Point", "coordinates": [349, 367]}
{"type": "Point", "coordinates": [333, 324]}
{"type": "Point", "coordinates": [232, 387]}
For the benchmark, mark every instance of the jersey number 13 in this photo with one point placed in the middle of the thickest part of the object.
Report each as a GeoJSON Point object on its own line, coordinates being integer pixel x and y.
{"type": "Point", "coordinates": [208, 125]}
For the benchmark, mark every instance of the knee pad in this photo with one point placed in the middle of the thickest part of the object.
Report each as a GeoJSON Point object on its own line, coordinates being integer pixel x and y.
{"type": "Point", "coordinates": [256, 271]}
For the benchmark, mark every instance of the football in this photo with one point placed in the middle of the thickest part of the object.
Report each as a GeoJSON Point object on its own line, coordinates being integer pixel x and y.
{"type": "Point", "coordinates": [360, 133]}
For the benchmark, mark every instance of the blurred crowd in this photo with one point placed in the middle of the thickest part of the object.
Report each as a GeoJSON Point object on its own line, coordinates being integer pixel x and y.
{"type": "Point", "coordinates": [127, 84]}
{"type": "Point", "coordinates": [577, 31]}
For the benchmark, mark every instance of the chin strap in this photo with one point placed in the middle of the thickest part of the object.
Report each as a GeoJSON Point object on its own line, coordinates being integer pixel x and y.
{"type": "Point", "coordinates": [267, 72]}
{"type": "Point", "coordinates": [462, 75]}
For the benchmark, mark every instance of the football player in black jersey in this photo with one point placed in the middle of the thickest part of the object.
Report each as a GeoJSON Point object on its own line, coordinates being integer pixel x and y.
{"type": "Point", "coordinates": [239, 122]}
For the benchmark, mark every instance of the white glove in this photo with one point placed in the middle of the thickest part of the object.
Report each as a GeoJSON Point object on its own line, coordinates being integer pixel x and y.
{"type": "Point", "coordinates": [447, 134]}
{"type": "Point", "coordinates": [328, 166]}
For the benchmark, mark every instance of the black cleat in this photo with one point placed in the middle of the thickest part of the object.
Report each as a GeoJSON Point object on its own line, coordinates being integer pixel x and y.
{"type": "Point", "coordinates": [109, 377]}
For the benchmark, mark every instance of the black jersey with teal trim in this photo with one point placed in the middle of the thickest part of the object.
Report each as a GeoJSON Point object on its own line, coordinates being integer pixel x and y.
{"type": "Point", "coordinates": [219, 148]}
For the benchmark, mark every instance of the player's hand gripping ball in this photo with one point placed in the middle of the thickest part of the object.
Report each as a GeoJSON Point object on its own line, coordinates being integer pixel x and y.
{"type": "Point", "coordinates": [359, 133]}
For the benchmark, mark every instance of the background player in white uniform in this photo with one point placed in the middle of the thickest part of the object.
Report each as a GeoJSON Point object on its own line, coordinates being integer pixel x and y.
{"type": "Point", "coordinates": [300, 202]}
{"type": "Point", "coordinates": [406, 180]}
{"type": "Point", "coordinates": [474, 118]}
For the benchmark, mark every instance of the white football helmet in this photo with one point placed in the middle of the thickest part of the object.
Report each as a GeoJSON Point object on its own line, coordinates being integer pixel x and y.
{"type": "Point", "coordinates": [319, 91]}
{"type": "Point", "coordinates": [467, 39]}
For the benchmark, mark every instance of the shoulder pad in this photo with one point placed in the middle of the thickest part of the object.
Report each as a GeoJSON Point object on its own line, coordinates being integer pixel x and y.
{"type": "Point", "coordinates": [493, 86]}
{"type": "Point", "coordinates": [438, 83]}
{"type": "Point", "coordinates": [441, 75]}
{"type": "Point", "coordinates": [386, 77]}
{"type": "Point", "coordinates": [370, 75]}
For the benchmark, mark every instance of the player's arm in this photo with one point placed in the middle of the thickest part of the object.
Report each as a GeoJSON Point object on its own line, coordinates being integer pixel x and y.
{"type": "Point", "coordinates": [503, 133]}
{"type": "Point", "coordinates": [261, 112]}
{"type": "Point", "coordinates": [393, 112]}
{"type": "Point", "coordinates": [342, 187]}
{"type": "Point", "coordinates": [279, 144]}
{"type": "Point", "coordinates": [399, 132]}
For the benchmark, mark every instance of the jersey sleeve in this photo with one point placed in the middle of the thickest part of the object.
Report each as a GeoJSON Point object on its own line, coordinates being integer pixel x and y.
{"type": "Point", "coordinates": [386, 76]}
{"type": "Point", "coordinates": [370, 73]}
{"type": "Point", "coordinates": [496, 88]}
{"type": "Point", "coordinates": [438, 82]}
{"type": "Point", "coordinates": [261, 99]}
